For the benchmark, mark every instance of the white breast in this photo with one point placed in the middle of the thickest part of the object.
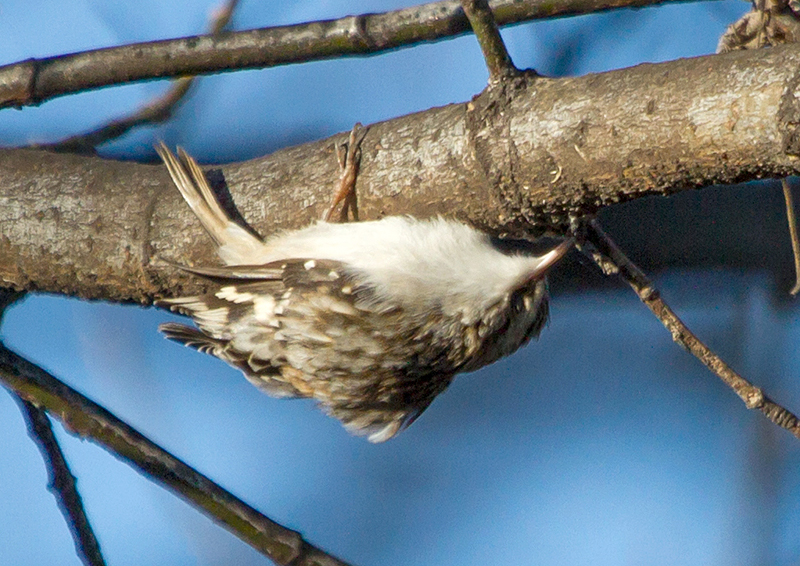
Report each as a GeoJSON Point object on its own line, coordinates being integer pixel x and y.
{"type": "Point", "coordinates": [412, 261]}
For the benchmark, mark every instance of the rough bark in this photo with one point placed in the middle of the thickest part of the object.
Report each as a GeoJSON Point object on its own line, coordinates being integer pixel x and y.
{"type": "Point", "coordinates": [518, 159]}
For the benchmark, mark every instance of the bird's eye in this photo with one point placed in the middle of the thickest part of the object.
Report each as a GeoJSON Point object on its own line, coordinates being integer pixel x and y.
{"type": "Point", "coordinates": [519, 300]}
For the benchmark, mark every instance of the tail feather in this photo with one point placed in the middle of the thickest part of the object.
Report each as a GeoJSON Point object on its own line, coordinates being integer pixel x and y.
{"type": "Point", "coordinates": [235, 244]}
{"type": "Point", "coordinates": [193, 338]}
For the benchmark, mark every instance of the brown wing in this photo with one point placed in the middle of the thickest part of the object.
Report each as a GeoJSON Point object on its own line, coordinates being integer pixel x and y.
{"type": "Point", "coordinates": [310, 328]}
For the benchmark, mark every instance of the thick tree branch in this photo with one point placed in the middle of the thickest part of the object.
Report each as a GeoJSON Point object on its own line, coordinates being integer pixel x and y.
{"type": "Point", "coordinates": [36, 80]}
{"type": "Point", "coordinates": [87, 419]}
{"type": "Point", "coordinates": [519, 159]}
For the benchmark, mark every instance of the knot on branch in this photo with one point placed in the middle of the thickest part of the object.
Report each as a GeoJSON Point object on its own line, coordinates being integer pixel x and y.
{"type": "Point", "coordinates": [753, 398]}
{"type": "Point", "coordinates": [510, 179]}
{"type": "Point", "coordinates": [17, 83]}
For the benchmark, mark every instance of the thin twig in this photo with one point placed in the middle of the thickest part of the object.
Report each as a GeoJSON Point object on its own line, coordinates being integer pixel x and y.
{"type": "Point", "coordinates": [87, 419]}
{"type": "Point", "coordinates": [62, 484]}
{"type": "Point", "coordinates": [482, 21]}
{"type": "Point", "coordinates": [611, 259]}
{"type": "Point", "coordinates": [792, 218]}
{"type": "Point", "coordinates": [34, 80]}
{"type": "Point", "coordinates": [156, 111]}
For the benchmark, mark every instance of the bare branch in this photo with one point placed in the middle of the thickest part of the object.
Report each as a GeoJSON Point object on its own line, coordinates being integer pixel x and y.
{"type": "Point", "coordinates": [494, 50]}
{"type": "Point", "coordinates": [792, 219]}
{"type": "Point", "coordinates": [158, 110]}
{"type": "Point", "coordinates": [89, 420]}
{"type": "Point", "coordinates": [62, 484]}
{"type": "Point", "coordinates": [612, 259]}
{"type": "Point", "coordinates": [94, 228]}
{"type": "Point", "coordinates": [36, 80]}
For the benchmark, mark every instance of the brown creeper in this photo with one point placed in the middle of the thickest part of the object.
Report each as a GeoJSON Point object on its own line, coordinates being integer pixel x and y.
{"type": "Point", "coordinates": [370, 319]}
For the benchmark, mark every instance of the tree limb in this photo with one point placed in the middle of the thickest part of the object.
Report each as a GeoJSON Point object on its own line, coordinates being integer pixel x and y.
{"type": "Point", "coordinates": [87, 419]}
{"type": "Point", "coordinates": [791, 218]}
{"type": "Point", "coordinates": [518, 159]}
{"type": "Point", "coordinates": [36, 80]}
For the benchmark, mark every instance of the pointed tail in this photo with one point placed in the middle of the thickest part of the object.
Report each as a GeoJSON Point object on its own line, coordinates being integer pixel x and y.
{"type": "Point", "coordinates": [236, 246]}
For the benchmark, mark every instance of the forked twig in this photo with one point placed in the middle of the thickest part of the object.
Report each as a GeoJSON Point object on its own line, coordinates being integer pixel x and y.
{"type": "Point", "coordinates": [611, 259]}
{"type": "Point", "coordinates": [33, 81]}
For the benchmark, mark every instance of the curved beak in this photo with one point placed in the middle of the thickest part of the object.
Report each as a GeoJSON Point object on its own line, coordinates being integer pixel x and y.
{"type": "Point", "coordinates": [552, 257]}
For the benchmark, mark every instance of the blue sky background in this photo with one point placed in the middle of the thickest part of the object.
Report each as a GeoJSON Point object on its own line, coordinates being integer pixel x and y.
{"type": "Point", "coordinates": [602, 443]}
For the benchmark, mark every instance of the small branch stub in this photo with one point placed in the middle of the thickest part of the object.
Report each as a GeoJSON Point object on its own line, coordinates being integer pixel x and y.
{"type": "Point", "coordinates": [494, 50]}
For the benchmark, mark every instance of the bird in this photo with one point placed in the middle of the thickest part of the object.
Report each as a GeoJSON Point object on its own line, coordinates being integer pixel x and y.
{"type": "Point", "coordinates": [370, 319]}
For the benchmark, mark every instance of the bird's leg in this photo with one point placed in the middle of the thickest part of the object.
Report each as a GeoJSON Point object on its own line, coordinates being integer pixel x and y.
{"type": "Point", "coordinates": [349, 156]}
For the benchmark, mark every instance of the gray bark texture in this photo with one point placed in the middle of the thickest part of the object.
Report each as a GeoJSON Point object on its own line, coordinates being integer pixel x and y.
{"type": "Point", "coordinates": [516, 160]}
